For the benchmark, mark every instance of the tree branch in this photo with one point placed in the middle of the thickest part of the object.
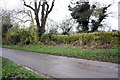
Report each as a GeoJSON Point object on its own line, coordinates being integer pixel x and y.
{"type": "Point", "coordinates": [47, 10]}
{"type": "Point", "coordinates": [28, 5]}
{"type": "Point", "coordinates": [36, 11]}
{"type": "Point", "coordinates": [51, 7]}
{"type": "Point", "coordinates": [47, 6]}
{"type": "Point", "coordinates": [39, 6]}
{"type": "Point", "coordinates": [42, 12]}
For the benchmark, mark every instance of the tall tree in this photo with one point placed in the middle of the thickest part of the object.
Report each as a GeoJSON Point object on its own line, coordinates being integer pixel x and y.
{"type": "Point", "coordinates": [102, 15]}
{"type": "Point", "coordinates": [83, 11]}
{"type": "Point", "coordinates": [45, 10]}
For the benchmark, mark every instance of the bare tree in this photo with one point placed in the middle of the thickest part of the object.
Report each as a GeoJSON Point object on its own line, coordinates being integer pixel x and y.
{"type": "Point", "coordinates": [45, 10]}
{"type": "Point", "coordinates": [51, 27]}
{"type": "Point", "coordinates": [66, 26]}
{"type": "Point", "coordinates": [27, 16]}
{"type": "Point", "coordinates": [6, 16]}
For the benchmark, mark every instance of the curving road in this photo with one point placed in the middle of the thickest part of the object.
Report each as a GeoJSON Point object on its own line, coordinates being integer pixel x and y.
{"type": "Point", "coordinates": [61, 67]}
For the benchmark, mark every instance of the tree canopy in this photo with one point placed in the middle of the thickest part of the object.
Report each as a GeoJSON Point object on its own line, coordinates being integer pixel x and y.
{"type": "Point", "coordinates": [82, 13]}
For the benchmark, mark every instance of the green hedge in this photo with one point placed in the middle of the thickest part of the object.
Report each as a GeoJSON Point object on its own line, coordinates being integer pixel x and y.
{"type": "Point", "coordinates": [82, 39]}
{"type": "Point", "coordinates": [22, 37]}
{"type": "Point", "coordinates": [96, 39]}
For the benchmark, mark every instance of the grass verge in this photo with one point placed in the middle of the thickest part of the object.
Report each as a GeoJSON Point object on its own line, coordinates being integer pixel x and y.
{"type": "Point", "coordinates": [107, 55]}
{"type": "Point", "coordinates": [12, 71]}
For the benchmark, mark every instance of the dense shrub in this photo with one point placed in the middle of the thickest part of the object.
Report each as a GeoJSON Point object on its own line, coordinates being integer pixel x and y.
{"type": "Point", "coordinates": [45, 38]}
{"type": "Point", "coordinates": [22, 37]}
{"type": "Point", "coordinates": [13, 36]}
{"type": "Point", "coordinates": [60, 39]}
{"type": "Point", "coordinates": [99, 40]}
{"type": "Point", "coordinates": [6, 27]}
{"type": "Point", "coordinates": [105, 39]}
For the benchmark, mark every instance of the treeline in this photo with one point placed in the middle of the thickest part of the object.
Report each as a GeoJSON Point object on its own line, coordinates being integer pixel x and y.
{"type": "Point", "coordinates": [28, 36]}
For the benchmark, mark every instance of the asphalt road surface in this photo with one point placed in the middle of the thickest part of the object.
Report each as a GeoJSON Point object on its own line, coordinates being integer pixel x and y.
{"type": "Point", "coordinates": [61, 67]}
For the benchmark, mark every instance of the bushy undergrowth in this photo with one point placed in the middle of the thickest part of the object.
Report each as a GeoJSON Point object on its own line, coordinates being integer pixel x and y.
{"type": "Point", "coordinates": [16, 36]}
{"type": "Point", "coordinates": [100, 40]}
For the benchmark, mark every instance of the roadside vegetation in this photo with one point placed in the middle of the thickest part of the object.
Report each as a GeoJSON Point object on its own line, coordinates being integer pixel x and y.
{"type": "Point", "coordinates": [12, 71]}
{"type": "Point", "coordinates": [107, 55]}
{"type": "Point", "coordinates": [100, 46]}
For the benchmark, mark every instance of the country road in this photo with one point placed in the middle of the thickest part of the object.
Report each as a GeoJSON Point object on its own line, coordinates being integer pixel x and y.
{"type": "Point", "coordinates": [61, 67]}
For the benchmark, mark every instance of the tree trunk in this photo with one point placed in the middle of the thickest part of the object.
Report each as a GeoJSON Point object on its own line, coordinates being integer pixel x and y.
{"type": "Point", "coordinates": [46, 9]}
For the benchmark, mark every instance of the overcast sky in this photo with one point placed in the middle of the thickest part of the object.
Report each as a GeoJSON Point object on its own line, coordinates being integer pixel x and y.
{"type": "Point", "coordinates": [61, 9]}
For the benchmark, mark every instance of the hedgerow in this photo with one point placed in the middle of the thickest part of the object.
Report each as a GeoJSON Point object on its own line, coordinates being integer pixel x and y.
{"type": "Point", "coordinates": [85, 40]}
{"type": "Point", "coordinates": [96, 39]}
{"type": "Point", "coordinates": [22, 37]}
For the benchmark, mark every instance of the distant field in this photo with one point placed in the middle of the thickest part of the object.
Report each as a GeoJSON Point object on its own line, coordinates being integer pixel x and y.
{"type": "Point", "coordinates": [107, 55]}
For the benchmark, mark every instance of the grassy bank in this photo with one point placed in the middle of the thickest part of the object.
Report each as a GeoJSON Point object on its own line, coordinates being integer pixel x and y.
{"type": "Point", "coordinates": [108, 55]}
{"type": "Point", "coordinates": [11, 71]}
